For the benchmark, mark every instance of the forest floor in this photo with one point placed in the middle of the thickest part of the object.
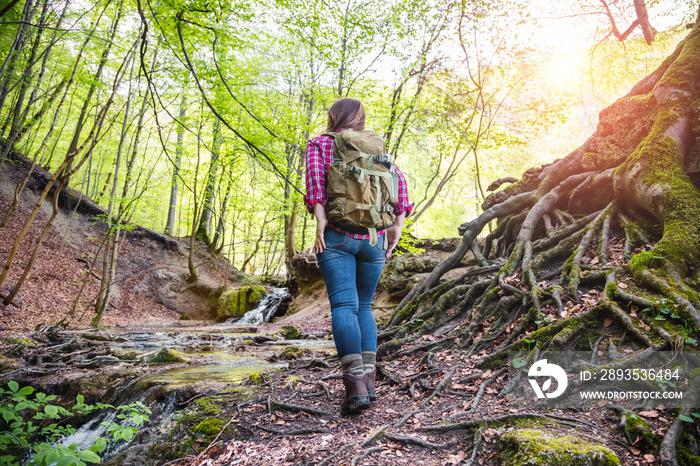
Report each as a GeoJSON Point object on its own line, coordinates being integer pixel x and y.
{"type": "Point", "coordinates": [291, 416]}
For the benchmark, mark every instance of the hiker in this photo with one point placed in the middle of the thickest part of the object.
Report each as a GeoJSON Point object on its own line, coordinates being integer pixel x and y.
{"type": "Point", "coordinates": [360, 201]}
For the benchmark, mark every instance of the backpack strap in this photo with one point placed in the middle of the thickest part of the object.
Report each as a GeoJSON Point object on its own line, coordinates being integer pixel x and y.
{"type": "Point", "coordinates": [337, 142]}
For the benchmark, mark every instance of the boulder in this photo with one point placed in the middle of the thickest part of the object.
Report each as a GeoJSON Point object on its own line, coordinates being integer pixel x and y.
{"type": "Point", "coordinates": [535, 447]}
{"type": "Point", "coordinates": [234, 302]}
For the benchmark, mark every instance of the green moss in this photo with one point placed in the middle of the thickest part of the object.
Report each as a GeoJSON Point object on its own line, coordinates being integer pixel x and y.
{"type": "Point", "coordinates": [685, 456]}
{"type": "Point", "coordinates": [527, 446]}
{"type": "Point", "coordinates": [18, 341]}
{"type": "Point", "coordinates": [184, 316]}
{"type": "Point", "coordinates": [167, 356]}
{"type": "Point", "coordinates": [206, 406]}
{"type": "Point", "coordinates": [209, 427]}
{"type": "Point", "coordinates": [256, 377]}
{"type": "Point", "coordinates": [290, 332]}
{"type": "Point", "coordinates": [638, 427]}
{"type": "Point", "coordinates": [236, 302]}
{"type": "Point", "coordinates": [292, 352]}
{"type": "Point", "coordinates": [677, 201]}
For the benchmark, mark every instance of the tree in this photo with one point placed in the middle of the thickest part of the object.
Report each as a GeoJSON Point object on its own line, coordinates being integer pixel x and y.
{"type": "Point", "coordinates": [636, 176]}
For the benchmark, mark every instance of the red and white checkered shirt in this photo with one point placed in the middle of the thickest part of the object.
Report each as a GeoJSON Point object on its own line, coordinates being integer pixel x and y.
{"type": "Point", "coordinates": [319, 156]}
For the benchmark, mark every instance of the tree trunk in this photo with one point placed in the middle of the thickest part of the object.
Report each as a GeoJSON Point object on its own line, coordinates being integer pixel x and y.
{"type": "Point", "coordinates": [204, 229]}
{"type": "Point", "coordinates": [170, 225]}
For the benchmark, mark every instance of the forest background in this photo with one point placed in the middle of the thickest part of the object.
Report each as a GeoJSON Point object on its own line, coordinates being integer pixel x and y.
{"type": "Point", "coordinates": [191, 117]}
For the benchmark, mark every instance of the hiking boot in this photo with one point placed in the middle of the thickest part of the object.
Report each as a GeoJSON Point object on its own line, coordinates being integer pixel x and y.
{"type": "Point", "coordinates": [356, 398]}
{"type": "Point", "coordinates": [371, 391]}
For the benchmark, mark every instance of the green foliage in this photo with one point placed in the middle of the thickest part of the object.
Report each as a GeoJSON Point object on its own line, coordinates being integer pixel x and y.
{"type": "Point", "coordinates": [31, 425]}
{"type": "Point", "coordinates": [407, 242]}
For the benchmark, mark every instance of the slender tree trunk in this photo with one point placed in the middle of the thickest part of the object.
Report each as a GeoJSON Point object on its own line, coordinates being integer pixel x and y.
{"type": "Point", "coordinates": [113, 228]}
{"type": "Point", "coordinates": [215, 249]}
{"type": "Point", "coordinates": [60, 178]}
{"type": "Point", "coordinates": [170, 225]}
{"type": "Point", "coordinates": [8, 67]}
{"type": "Point", "coordinates": [17, 115]}
{"type": "Point", "coordinates": [204, 229]}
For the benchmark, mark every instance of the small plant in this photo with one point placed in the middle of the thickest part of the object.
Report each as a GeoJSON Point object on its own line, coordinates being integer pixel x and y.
{"type": "Point", "coordinates": [32, 426]}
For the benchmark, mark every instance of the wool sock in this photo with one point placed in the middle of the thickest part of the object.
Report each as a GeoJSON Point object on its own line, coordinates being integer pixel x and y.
{"type": "Point", "coordinates": [352, 364]}
{"type": "Point", "coordinates": [369, 360]}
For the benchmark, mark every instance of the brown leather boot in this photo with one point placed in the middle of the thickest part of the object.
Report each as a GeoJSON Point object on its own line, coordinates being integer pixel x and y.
{"type": "Point", "coordinates": [356, 398]}
{"type": "Point", "coordinates": [371, 391]}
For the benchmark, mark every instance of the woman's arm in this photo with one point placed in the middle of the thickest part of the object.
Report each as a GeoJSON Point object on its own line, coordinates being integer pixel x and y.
{"type": "Point", "coordinates": [394, 233]}
{"type": "Point", "coordinates": [321, 223]}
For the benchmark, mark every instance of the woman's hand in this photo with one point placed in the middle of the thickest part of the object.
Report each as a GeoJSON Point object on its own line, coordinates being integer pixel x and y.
{"type": "Point", "coordinates": [394, 234]}
{"type": "Point", "coordinates": [321, 224]}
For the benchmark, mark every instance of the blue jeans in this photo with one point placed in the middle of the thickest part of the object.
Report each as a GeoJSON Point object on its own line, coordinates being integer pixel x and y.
{"type": "Point", "coordinates": [351, 269]}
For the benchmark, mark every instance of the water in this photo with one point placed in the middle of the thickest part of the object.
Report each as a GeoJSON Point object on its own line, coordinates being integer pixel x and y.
{"type": "Point", "coordinates": [266, 309]}
{"type": "Point", "coordinates": [220, 356]}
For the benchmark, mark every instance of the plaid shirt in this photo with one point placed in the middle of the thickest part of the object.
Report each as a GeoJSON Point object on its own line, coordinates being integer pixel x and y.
{"type": "Point", "coordinates": [319, 156]}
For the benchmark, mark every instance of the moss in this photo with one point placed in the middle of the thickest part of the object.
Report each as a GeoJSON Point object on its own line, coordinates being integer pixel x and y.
{"type": "Point", "coordinates": [675, 198]}
{"type": "Point", "coordinates": [185, 316]}
{"type": "Point", "coordinates": [209, 427]}
{"type": "Point", "coordinates": [685, 68]}
{"type": "Point", "coordinates": [292, 352]}
{"type": "Point", "coordinates": [206, 406]}
{"type": "Point", "coordinates": [527, 446]}
{"type": "Point", "coordinates": [236, 302]}
{"type": "Point", "coordinates": [256, 377]}
{"type": "Point", "coordinates": [638, 427]}
{"type": "Point", "coordinates": [290, 332]}
{"type": "Point", "coordinates": [685, 456]}
{"type": "Point", "coordinates": [167, 356]}
{"type": "Point", "coordinates": [18, 341]}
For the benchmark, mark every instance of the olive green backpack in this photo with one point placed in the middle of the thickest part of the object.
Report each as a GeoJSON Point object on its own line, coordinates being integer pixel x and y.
{"type": "Point", "coordinates": [362, 185]}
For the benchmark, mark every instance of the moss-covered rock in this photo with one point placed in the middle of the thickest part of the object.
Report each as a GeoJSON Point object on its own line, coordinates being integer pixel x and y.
{"type": "Point", "coordinates": [234, 302]}
{"type": "Point", "coordinates": [185, 316]}
{"type": "Point", "coordinates": [256, 377]}
{"type": "Point", "coordinates": [292, 352]}
{"type": "Point", "coordinates": [525, 446]}
{"type": "Point", "coordinates": [167, 356]}
{"type": "Point", "coordinates": [290, 332]}
{"type": "Point", "coordinates": [209, 427]}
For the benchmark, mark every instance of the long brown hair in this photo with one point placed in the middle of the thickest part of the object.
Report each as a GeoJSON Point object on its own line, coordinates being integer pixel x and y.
{"type": "Point", "coordinates": [346, 113]}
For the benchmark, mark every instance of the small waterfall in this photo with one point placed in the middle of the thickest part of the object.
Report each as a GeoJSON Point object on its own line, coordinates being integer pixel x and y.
{"type": "Point", "coordinates": [85, 436]}
{"type": "Point", "coordinates": [266, 309]}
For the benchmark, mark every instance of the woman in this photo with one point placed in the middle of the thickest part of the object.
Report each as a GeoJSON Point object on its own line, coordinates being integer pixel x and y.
{"type": "Point", "coordinates": [351, 264]}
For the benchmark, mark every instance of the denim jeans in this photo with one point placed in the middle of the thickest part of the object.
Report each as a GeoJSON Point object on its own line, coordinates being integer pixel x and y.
{"type": "Point", "coordinates": [351, 269]}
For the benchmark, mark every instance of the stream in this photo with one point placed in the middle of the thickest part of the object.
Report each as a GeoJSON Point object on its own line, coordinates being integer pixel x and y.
{"type": "Point", "coordinates": [219, 356]}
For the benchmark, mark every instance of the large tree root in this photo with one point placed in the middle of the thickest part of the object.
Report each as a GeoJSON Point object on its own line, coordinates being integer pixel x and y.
{"type": "Point", "coordinates": [598, 251]}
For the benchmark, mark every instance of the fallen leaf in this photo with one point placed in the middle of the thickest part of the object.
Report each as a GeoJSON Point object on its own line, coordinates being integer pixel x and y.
{"type": "Point", "coordinates": [652, 413]}
{"type": "Point", "coordinates": [607, 322]}
{"type": "Point", "coordinates": [455, 459]}
{"type": "Point", "coordinates": [649, 458]}
{"type": "Point", "coordinates": [602, 403]}
{"type": "Point", "coordinates": [622, 285]}
{"type": "Point", "coordinates": [635, 450]}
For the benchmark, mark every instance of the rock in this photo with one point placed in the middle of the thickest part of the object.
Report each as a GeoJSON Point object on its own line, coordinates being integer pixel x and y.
{"type": "Point", "coordinates": [238, 301]}
{"type": "Point", "coordinates": [167, 356]}
{"type": "Point", "coordinates": [530, 447]}
{"type": "Point", "coordinates": [292, 352]}
{"type": "Point", "coordinates": [161, 285]}
{"type": "Point", "coordinates": [290, 332]}
{"type": "Point", "coordinates": [402, 274]}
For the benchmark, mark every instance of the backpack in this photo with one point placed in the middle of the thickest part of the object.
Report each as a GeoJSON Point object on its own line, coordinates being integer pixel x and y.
{"type": "Point", "coordinates": [362, 184]}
